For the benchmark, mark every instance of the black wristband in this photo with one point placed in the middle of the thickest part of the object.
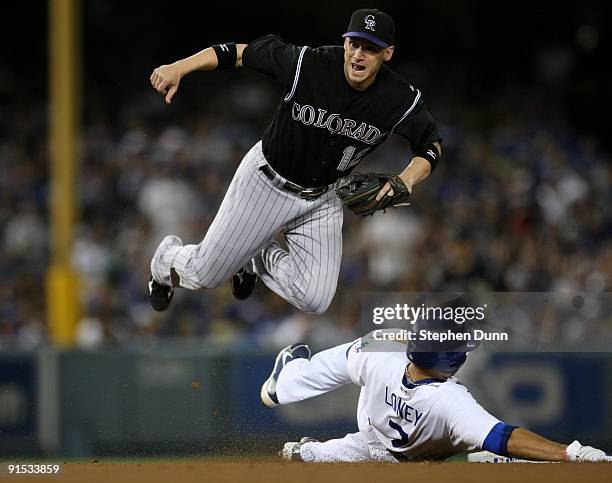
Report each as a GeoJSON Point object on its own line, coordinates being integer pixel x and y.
{"type": "Point", "coordinates": [226, 55]}
{"type": "Point", "coordinates": [430, 153]}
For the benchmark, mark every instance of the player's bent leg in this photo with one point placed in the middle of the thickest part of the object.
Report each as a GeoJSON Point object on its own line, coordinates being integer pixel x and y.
{"type": "Point", "coordinates": [315, 245]}
{"type": "Point", "coordinates": [296, 285]}
{"type": "Point", "coordinates": [251, 214]}
{"type": "Point", "coordinates": [276, 268]}
{"type": "Point", "coordinates": [305, 378]}
{"type": "Point", "coordinates": [292, 353]}
{"type": "Point", "coordinates": [307, 274]}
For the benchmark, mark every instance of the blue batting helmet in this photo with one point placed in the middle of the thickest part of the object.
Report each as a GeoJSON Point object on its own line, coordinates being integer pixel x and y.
{"type": "Point", "coordinates": [446, 362]}
{"type": "Point", "coordinates": [447, 350]}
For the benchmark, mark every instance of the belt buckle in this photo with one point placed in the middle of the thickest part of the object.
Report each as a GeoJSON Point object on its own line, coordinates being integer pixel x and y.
{"type": "Point", "coordinates": [312, 193]}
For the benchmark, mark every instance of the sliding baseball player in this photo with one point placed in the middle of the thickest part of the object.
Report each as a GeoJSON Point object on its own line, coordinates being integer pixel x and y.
{"type": "Point", "coordinates": [411, 407]}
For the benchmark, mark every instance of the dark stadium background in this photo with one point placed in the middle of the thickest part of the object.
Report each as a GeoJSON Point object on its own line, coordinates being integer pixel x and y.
{"type": "Point", "coordinates": [472, 47]}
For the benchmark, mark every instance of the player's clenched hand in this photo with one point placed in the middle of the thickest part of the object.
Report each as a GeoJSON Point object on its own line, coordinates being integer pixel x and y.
{"type": "Point", "coordinates": [165, 80]}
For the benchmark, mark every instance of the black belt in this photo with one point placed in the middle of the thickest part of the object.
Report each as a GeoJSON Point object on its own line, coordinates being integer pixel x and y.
{"type": "Point", "coordinates": [304, 193]}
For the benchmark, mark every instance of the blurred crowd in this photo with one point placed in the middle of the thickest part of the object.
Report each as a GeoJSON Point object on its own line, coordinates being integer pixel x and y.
{"type": "Point", "coordinates": [519, 202]}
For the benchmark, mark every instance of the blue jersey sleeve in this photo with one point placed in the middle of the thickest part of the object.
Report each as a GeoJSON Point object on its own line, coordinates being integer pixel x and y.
{"type": "Point", "coordinates": [497, 439]}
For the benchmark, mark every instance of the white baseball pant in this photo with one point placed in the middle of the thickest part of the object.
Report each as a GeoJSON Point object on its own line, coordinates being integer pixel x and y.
{"type": "Point", "coordinates": [254, 211]}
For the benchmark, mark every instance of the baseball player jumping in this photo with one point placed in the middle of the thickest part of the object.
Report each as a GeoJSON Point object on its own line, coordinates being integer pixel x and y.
{"type": "Point", "coordinates": [339, 105]}
{"type": "Point", "coordinates": [411, 407]}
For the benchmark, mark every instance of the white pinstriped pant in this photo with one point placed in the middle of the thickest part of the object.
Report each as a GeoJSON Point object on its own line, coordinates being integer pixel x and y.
{"type": "Point", "coordinates": [254, 211]}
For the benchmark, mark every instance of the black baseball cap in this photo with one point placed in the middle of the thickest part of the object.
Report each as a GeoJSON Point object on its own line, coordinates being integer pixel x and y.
{"type": "Point", "coordinates": [373, 25]}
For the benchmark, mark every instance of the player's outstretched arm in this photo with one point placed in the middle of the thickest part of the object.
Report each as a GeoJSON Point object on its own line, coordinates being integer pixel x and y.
{"type": "Point", "coordinates": [165, 79]}
{"type": "Point", "coordinates": [531, 446]}
{"type": "Point", "coordinates": [525, 444]}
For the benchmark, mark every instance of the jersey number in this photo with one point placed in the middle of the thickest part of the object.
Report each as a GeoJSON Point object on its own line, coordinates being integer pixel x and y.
{"type": "Point", "coordinates": [348, 160]}
{"type": "Point", "coordinates": [403, 441]}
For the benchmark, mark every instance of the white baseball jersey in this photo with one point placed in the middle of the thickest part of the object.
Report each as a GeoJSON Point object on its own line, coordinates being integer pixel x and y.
{"type": "Point", "coordinates": [429, 419]}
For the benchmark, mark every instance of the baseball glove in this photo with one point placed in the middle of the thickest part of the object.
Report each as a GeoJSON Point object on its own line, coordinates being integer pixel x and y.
{"type": "Point", "coordinates": [358, 192]}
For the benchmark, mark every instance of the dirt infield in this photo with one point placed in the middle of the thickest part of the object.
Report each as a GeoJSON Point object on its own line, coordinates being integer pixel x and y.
{"type": "Point", "coordinates": [256, 471]}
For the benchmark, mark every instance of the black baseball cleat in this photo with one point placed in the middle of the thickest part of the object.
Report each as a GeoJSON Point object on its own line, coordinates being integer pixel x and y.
{"type": "Point", "coordinates": [160, 296]}
{"type": "Point", "coordinates": [288, 354]}
{"type": "Point", "coordinates": [243, 284]}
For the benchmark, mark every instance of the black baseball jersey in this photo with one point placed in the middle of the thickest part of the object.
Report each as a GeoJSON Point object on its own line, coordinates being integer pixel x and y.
{"type": "Point", "coordinates": [323, 127]}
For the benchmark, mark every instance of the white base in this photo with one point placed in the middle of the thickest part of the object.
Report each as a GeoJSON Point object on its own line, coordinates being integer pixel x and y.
{"type": "Point", "coordinates": [488, 457]}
